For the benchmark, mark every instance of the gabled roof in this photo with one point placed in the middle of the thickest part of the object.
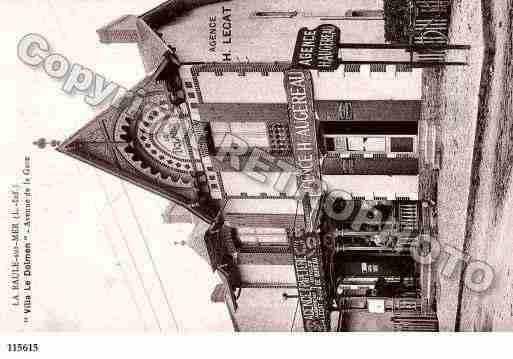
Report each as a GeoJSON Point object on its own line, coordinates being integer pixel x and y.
{"type": "Point", "coordinates": [201, 242]}
{"type": "Point", "coordinates": [169, 10]}
{"type": "Point", "coordinates": [123, 29]}
{"type": "Point", "coordinates": [143, 29]}
{"type": "Point", "coordinates": [196, 241]}
{"type": "Point", "coordinates": [112, 142]}
{"type": "Point", "coordinates": [175, 214]}
{"type": "Point", "coordinates": [151, 47]}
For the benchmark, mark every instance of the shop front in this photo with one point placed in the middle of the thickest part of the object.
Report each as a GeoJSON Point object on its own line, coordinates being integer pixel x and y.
{"type": "Point", "coordinates": [371, 272]}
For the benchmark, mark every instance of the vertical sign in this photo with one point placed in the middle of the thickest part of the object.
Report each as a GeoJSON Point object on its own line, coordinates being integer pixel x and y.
{"type": "Point", "coordinates": [311, 284]}
{"type": "Point", "coordinates": [315, 49]}
{"type": "Point", "coordinates": [302, 125]}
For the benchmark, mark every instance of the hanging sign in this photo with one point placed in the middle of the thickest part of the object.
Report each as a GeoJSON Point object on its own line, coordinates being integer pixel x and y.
{"type": "Point", "coordinates": [317, 49]}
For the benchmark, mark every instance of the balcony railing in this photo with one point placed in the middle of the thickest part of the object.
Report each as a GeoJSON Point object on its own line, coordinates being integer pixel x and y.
{"type": "Point", "coordinates": [408, 217]}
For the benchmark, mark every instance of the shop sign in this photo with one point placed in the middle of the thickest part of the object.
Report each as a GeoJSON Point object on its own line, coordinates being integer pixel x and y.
{"type": "Point", "coordinates": [302, 125]}
{"type": "Point", "coordinates": [345, 111]}
{"type": "Point", "coordinates": [310, 280]}
{"type": "Point", "coordinates": [317, 49]}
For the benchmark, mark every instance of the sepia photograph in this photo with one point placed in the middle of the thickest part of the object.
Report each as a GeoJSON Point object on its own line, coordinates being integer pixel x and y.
{"type": "Point", "coordinates": [209, 166]}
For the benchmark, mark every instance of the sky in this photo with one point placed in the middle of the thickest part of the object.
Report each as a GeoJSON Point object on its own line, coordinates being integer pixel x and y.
{"type": "Point", "coordinates": [102, 259]}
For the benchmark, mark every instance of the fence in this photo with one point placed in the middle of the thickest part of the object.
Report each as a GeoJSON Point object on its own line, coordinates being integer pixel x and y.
{"type": "Point", "coordinates": [415, 322]}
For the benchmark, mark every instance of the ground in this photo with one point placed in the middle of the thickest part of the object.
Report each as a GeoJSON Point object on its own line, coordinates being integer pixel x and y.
{"type": "Point", "coordinates": [471, 108]}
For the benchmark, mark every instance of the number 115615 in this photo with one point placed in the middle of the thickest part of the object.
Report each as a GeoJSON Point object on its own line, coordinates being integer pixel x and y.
{"type": "Point", "coordinates": [22, 347]}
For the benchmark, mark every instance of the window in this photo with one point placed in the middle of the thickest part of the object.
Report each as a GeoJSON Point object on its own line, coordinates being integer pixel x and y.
{"type": "Point", "coordinates": [329, 143]}
{"type": "Point", "coordinates": [279, 139]}
{"type": "Point", "coordinates": [374, 144]}
{"type": "Point", "coordinates": [337, 143]}
{"type": "Point", "coordinates": [359, 144]}
{"type": "Point", "coordinates": [253, 134]}
{"type": "Point", "coordinates": [401, 144]}
{"type": "Point", "coordinates": [355, 144]}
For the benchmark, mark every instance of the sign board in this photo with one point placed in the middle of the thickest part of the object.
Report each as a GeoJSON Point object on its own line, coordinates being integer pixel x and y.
{"type": "Point", "coordinates": [311, 285]}
{"type": "Point", "coordinates": [345, 111]}
{"type": "Point", "coordinates": [317, 49]}
{"type": "Point", "coordinates": [302, 126]}
{"type": "Point", "coordinates": [376, 306]}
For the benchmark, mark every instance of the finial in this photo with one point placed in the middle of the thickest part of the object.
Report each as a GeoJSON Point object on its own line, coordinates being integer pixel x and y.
{"type": "Point", "coordinates": [43, 142]}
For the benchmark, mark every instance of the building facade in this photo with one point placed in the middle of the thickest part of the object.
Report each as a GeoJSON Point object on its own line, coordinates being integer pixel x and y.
{"type": "Point", "coordinates": [301, 157]}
